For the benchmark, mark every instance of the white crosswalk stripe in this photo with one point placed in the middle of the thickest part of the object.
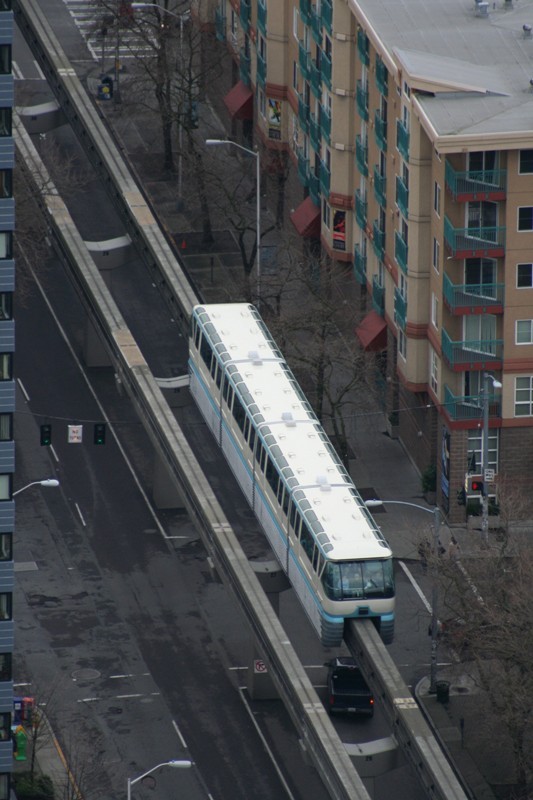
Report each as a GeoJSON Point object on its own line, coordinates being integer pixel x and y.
{"type": "Point", "coordinates": [89, 17]}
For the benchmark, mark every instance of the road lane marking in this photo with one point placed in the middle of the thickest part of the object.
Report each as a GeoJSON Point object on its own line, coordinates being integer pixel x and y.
{"type": "Point", "coordinates": [180, 735]}
{"type": "Point", "coordinates": [23, 390]}
{"type": "Point", "coordinates": [78, 509]}
{"type": "Point", "coordinates": [415, 586]}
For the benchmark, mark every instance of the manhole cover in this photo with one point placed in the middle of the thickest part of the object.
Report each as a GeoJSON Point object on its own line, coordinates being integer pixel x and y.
{"type": "Point", "coordinates": [85, 674]}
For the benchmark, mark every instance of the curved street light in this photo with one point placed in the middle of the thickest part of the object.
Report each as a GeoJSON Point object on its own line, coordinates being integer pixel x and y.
{"type": "Point", "coordinates": [47, 483]}
{"type": "Point", "coordinates": [434, 589]}
{"type": "Point", "coordinates": [173, 763]}
{"type": "Point", "coordinates": [255, 154]}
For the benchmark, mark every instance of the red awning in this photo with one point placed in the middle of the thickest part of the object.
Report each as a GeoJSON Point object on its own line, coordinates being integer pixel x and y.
{"type": "Point", "coordinates": [240, 102]}
{"type": "Point", "coordinates": [306, 219]}
{"type": "Point", "coordinates": [372, 332]}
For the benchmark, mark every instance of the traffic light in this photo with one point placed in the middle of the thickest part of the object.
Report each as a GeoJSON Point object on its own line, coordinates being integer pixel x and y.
{"type": "Point", "coordinates": [46, 435]}
{"type": "Point", "coordinates": [99, 433]}
{"type": "Point", "coordinates": [474, 484]}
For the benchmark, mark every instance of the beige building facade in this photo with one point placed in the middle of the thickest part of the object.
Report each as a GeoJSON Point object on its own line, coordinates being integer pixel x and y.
{"type": "Point", "coordinates": [408, 131]}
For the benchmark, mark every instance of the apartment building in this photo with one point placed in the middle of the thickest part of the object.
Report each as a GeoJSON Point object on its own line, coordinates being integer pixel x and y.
{"type": "Point", "coordinates": [409, 130]}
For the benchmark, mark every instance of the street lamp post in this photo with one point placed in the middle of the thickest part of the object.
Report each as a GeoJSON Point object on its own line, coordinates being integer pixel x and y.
{"type": "Point", "coordinates": [485, 455]}
{"type": "Point", "coordinates": [173, 763]}
{"type": "Point", "coordinates": [47, 483]}
{"type": "Point", "coordinates": [255, 154]}
{"type": "Point", "coordinates": [434, 589]}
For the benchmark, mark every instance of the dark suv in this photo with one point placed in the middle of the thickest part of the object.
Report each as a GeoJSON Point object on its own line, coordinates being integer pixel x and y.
{"type": "Point", "coordinates": [347, 689]}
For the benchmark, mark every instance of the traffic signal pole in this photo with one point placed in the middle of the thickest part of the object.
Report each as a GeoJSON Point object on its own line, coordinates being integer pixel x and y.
{"type": "Point", "coordinates": [484, 463]}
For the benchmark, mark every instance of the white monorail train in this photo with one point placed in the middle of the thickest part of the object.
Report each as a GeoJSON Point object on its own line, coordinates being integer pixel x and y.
{"type": "Point", "coordinates": [323, 535]}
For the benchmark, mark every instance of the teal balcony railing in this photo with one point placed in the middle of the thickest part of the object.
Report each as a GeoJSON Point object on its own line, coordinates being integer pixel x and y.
{"type": "Point", "coordinates": [314, 132]}
{"type": "Point", "coordinates": [220, 25]}
{"type": "Point", "coordinates": [402, 196]}
{"type": "Point", "coordinates": [378, 242]}
{"type": "Point", "coordinates": [361, 156]}
{"type": "Point", "coordinates": [380, 131]}
{"type": "Point", "coordinates": [325, 68]}
{"type": "Point", "coordinates": [244, 67]}
{"type": "Point", "coordinates": [380, 187]}
{"type": "Point", "coordinates": [359, 265]}
{"type": "Point", "coordinates": [382, 77]}
{"type": "Point", "coordinates": [400, 251]}
{"type": "Point", "coordinates": [361, 100]}
{"type": "Point", "coordinates": [261, 16]}
{"type": "Point", "coordinates": [476, 184]}
{"type": "Point", "coordinates": [400, 308]}
{"type": "Point", "coordinates": [261, 68]}
{"type": "Point", "coordinates": [304, 60]}
{"type": "Point", "coordinates": [325, 122]}
{"type": "Point", "coordinates": [474, 242]}
{"type": "Point", "coordinates": [402, 139]}
{"type": "Point", "coordinates": [473, 354]}
{"type": "Point", "coordinates": [245, 14]}
{"type": "Point", "coordinates": [360, 209]}
{"type": "Point", "coordinates": [316, 26]}
{"type": "Point", "coordinates": [314, 189]}
{"type": "Point", "coordinates": [303, 168]}
{"type": "Point", "coordinates": [378, 296]}
{"type": "Point", "coordinates": [315, 80]}
{"type": "Point", "coordinates": [304, 114]}
{"type": "Point", "coordinates": [362, 46]}
{"type": "Point", "coordinates": [325, 177]}
{"type": "Point", "coordinates": [470, 407]}
{"type": "Point", "coordinates": [465, 298]}
{"type": "Point", "coordinates": [327, 14]}
{"type": "Point", "coordinates": [305, 11]}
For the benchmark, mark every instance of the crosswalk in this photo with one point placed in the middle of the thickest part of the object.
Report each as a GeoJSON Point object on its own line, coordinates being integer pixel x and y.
{"type": "Point", "coordinates": [105, 40]}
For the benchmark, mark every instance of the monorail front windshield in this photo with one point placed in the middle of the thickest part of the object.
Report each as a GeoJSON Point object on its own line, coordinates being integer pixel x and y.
{"type": "Point", "coordinates": [354, 580]}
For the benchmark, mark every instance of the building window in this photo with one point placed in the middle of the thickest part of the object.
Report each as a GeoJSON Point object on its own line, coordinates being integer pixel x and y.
{"type": "Point", "coordinates": [6, 672]}
{"type": "Point", "coordinates": [5, 5]}
{"type": "Point", "coordinates": [436, 254]}
{"type": "Point", "coordinates": [325, 213]}
{"type": "Point", "coordinates": [436, 198]}
{"type": "Point", "coordinates": [6, 305]}
{"type": "Point", "coordinates": [6, 606]}
{"type": "Point", "coordinates": [434, 371]}
{"type": "Point", "coordinates": [6, 481]}
{"type": "Point", "coordinates": [6, 122]}
{"type": "Point", "coordinates": [524, 331]}
{"type": "Point", "coordinates": [434, 310]}
{"type": "Point", "coordinates": [525, 218]}
{"type": "Point", "coordinates": [6, 547]}
{"type": "Point", "coordinates": [524, 276]}
{"type": "Point", "coordinates": [523, 396]}
{"type": "Point", "coordinates": [295, 17]}
{"type": "Point", "coordinates": [475, 447]}
{"type": "Point", "coordinates": [402, 343]}
{"type": "Point", "coordinates": [4, 785]}
{"type": "Point", "coordinates": [6, 427]}
{"type": "Point", "coordinates": [6, 366]}
{"type": "Point", "coordinates": [6, 244]}
{"type": "Point", "coordinates": [6, 183]}
{"type": "Point", "coordinates": [5, 59]}
{"type": "Point", "coordinates": [262, 103]}
{"type": "Point", "coordinates": [526, 162]}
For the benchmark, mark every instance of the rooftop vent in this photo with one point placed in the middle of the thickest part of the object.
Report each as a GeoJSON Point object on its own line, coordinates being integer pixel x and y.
{"type": "Point", "coordinates": [254, 357]}
{"type": "Point", "coordinates": [322, 481]}
{"type": "Point", "coordinates": [526, 31]}
{"type": "Point", "coordinates": [288, 419]}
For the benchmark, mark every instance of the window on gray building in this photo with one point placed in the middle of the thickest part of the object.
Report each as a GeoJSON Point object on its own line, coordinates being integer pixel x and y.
{"type": "Point", "coordinates": [6, 366]}
{"type": "Point", "coordinates": [6, 546]}
{"type": "Point", "coordinates": [6, 127]}
{"type": "Point", "coordinates": [6, 244]}
{"type": "Point", "coordinates": [6, 606]}
{"type": "Point", "coordinates": [6, 673]}
{"type": "Point", "coordinates": [5, 59]}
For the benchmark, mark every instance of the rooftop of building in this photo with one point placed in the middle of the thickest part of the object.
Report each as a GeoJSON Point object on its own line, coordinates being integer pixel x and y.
{"type": "Point", "coordinates": [476, 67]}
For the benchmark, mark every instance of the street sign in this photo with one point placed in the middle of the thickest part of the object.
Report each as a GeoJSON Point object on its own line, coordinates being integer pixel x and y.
{"type": "Point", "coordinates": [75, 434]}
{"type": "Point", "coordinates": [259, 666]}
{"type": "Point", "coordinates": [489, 476]}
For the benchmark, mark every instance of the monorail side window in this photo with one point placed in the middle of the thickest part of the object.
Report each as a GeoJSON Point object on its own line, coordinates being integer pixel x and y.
{"type": "Point", "coordinates": [307, 541]}
{"type": "Point", "coordinates": [252, 438]}
{"type": "Point", "coordinates": [258, 453]}
{"type": "Point", "coordinates": [205, 351]}
{"type": "Point", "coordinates": [213, 366]}
{"type": "Point", "coordinates": [293, 517]}
{"type": "Point", "coordinates": [272, 476]}
{"type": "Point", "coordinates": [218, 376]}
{"type": "Point", "coordinates": [286, 501]}
{"type": "Point", "coordinates": [246, 428]}
{"type": "Point", "coordinates": [196, 335]}
{"type": "Point", "coordinates": [225, 391]}
{"type": "Point", "coordinates": [239, 413]}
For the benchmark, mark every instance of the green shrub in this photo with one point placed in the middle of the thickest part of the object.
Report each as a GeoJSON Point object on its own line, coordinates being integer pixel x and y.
{"type": "Point", "coordinates": [41, 788]}
{"type": "Point", "coordinates": [429, 479]}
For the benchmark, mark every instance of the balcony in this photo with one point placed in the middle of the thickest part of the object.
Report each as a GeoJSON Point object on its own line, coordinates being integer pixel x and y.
{"type": "Point", "coordinates": [303, 167]}
{"type": "Point", "coordinates": [261, 69]}
{"type": "Point", "coordinates": [314, 132]}
{"type": "Point", "coordinates": [304, 59]}
{"type": "Point", "coordinates": [382, 77]}
{"type": "Point", "coordinates": [304, 114]}
{"type": "Point", "coordinates": [473, 354]}
{"type": "Point", "coordinates": [488, 184]}
{"type": "Point", "coordinates": [316, 26]}
{"type": "Point", "coordinates": [402, 196]}
{"type": "Point", "coordinates": [220, 25]}
{"type": "Point", "coordinates": [359, 265]}
{"type": "Point", "coordinates": [261, 16]}
{"type": "Point", "coordinates": [362, 46]}
{"type": "Point", "coordinates": [400, 308]}
{"type": "Point", "coordinates": [473, 242]}
{"type": "Point", "coordinates": [380, 131]}
{"type": "Point", "coordinates": [325, 67]}
{"type": "Point", "coordinates": [327, 15]}
{"type": "Point", "coordinates": [470, 408]}
{"type": "Point", "coordinates": [314, 189]}
{"type": "Point", "coordinates": [244, 14]}
{"type": "Point", "coordinates": [361, 100]}
{"type": "Point", "coordinates": [378, 296]}
{"type": "Point", "coordinates": [400, 251]}
{"type": "Point", "coordinates": [402, 139]}
{"type": "Point", "coordinates": [315, 80]}
{"type": "Point", "coordinates": [473, 298]}
{"type": "Point", "coordinates": [325, 177]}
{"type": "Point", "coordinates": [244, 66]}
{"type": "Point", "coordinates": [378, 242]}
{"type": "Point", "coordinates": [305, 11]}
{"type": "Point", "coordinates": [380, 187]}
{"type": "Point", "coordinates": [360, 210]}
{"type": "Point", "coordinates": [325, 122]}
{"type": "Point", "coordinates": [361, 156]}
